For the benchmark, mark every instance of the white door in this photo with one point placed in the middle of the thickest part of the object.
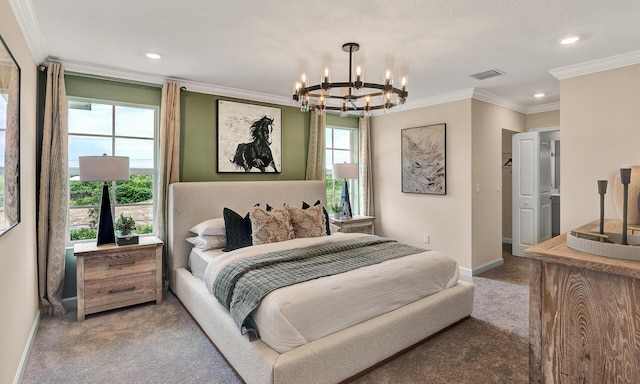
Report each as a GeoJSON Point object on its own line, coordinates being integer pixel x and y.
{"type": "Point", "coordinates": [546, 219]}
{"type": "Point", "coordinates": [526, 191]}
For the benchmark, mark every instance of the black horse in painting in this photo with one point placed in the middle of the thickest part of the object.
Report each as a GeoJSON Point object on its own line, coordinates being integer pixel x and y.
{"type": "Point", "coordinates": [256, 154]}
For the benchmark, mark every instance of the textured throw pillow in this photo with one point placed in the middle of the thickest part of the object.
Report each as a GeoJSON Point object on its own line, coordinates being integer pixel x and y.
{"type": "Point", "coordinates": [213, 227]}
{"type": "Point", "coordinates": [270, 226]}
{"type": "Point", "coordinates": [208, 242]}
{"type": "Point", "coordinates": [308, 222]}
{"type": "Point", "coordinates": [238, 230]}
{"type": "Point", "coordinates": [324, 211]}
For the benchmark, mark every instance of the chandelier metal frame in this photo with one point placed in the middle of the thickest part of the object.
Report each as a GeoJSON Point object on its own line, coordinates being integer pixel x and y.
{"type": "Point", "coordinates": [315, 96]}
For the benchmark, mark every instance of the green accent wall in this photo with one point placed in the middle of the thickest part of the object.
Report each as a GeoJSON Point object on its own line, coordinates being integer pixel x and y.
{"type": "Point", "coordinates": [100, 89]}
{"type": "Point", "coordinates": [198, 141]}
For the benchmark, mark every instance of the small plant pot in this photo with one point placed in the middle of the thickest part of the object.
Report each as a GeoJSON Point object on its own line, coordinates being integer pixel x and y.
{"type": "Point", "coordinates": [128, 239]}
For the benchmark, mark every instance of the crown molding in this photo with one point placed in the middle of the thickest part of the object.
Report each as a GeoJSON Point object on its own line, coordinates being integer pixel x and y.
{"type": "Point", "coordinates": [118, 74]}
{"type": "Point", "coordinates": [543, 108]}
{"type": "Point", "coordinates": [235, 93]}
{"type": "Point", "coordinates": [25, 16]}
{"type": "Point", "coordinates": [482, 95]}
{"type": "Point", "coordinates": [607, 63]}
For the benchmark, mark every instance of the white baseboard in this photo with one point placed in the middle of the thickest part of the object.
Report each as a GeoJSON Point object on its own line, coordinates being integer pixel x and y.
{"type": "Point", "coordinates": [507, 240]}
{"type": "Point", "coordinates": [27, 349]}
{"type": "Point", "coordinates": [467, 274]}
{"type": "Point", "coordinates": [490, 265]}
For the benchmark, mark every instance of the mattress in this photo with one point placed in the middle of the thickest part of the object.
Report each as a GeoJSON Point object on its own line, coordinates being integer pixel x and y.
{"type": "Point", "coordinates": [298, 314]}
{"type": "Point", "coordinates": [199, 260]}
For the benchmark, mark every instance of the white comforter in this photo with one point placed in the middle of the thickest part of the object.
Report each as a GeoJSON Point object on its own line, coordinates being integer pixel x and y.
{"type": "Point", "coordinates": [295, 315]}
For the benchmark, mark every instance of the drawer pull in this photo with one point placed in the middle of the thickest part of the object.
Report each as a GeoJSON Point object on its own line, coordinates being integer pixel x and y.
{"type": "Point", "coordinates": [121, 264]}
{"type": "Point", "coordinates": [122, 290]}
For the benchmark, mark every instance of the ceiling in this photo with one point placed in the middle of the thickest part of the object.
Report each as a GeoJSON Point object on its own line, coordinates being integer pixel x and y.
{"type": "Point", "coordinates": [253, 47]}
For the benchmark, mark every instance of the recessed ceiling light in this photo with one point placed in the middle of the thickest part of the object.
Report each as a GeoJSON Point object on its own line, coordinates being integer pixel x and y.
{"type": "Point", "coordinates": [569, 40]}
{"type": "Point", "coordinates": [153, 55]}
{"type": "Point", "coordinates": [539, 95]}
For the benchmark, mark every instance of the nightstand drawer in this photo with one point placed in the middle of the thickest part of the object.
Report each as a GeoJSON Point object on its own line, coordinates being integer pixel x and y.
{"type": "Point", "coordinates": [131, 289]}
{"type": "Point", "coordinates": [361, 228]}
{"type": "Point", "coordinates": [123, 264]}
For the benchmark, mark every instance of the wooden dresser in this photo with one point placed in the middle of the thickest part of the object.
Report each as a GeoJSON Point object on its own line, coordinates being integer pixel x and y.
{"type": "Point", "coordinates": [584, 314]}
{"type": "Point", "coordinates": [111, 276]}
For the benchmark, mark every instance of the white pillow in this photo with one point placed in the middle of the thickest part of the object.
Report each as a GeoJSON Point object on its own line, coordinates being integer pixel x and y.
{"type": "Point", "coordinates": [334, 228]}
{"type": "Point", "coordinates": [208, 242]}
{"type": "Point", "coordinates": [212, 227]}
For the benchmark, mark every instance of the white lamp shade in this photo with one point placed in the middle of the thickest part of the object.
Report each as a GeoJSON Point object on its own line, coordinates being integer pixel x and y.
{"type": "Point", "coordinates": [345, 171]}
{"type": "Point", "coordinates": [104, 168]}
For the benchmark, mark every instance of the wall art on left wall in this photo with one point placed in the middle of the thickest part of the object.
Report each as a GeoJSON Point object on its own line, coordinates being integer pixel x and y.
{"type": "Point", "coordinates": [249, 138]}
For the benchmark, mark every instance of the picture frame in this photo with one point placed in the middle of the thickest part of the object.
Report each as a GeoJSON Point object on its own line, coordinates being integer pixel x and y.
{"type": "Point", "coordinates": [10, 79]}
{"type": "Point", "coordinates": [424, 167]}
{"type": "Point", "coordinates": [249, 138]}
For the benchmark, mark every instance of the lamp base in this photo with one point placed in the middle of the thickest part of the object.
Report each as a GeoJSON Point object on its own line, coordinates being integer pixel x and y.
{"type": "Point", "coordinates": [106, 234]}
{"type": "Point", "coordinates": [345, 201]}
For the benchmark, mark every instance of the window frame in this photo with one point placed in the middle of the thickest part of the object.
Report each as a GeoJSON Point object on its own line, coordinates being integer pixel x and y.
{"type": "Point", "coordinates": [132, 171]}
{"type": "Point", "coordinates": [354, 186]}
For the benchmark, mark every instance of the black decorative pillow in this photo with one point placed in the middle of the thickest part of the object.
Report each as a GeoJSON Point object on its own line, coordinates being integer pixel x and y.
{"type": "Point", "coordinates": [238, 230]}
{"type": "Point", "coordinates": [324, 211]}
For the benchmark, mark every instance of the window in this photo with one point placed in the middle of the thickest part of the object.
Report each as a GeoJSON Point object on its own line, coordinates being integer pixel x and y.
{"type": "Point", "coordinates": [99, 127]}
{"type": "Point", "coordinates": [341, 147]}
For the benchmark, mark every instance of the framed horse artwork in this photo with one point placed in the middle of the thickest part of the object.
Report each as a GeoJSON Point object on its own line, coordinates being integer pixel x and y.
{"type": "Point", "coordinates": [249, 138]}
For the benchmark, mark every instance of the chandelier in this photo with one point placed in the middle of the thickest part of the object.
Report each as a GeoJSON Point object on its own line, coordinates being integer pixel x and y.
{"type": "Point", "coordinates": [355, 94]}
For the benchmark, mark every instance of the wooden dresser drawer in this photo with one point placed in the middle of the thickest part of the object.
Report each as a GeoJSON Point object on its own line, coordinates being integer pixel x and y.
{"type": "Point", "coordinates": [128, 289]}
{"type": "Point", "coordinates": [115, 265]}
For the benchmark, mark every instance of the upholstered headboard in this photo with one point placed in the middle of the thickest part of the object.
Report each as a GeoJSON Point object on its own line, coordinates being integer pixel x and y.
{"type": "Point", "coordinates": [193, 202]}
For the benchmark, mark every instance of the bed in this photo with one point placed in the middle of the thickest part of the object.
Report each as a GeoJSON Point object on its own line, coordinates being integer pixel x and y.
{"type": "Point", "coordinates": [330, 358]}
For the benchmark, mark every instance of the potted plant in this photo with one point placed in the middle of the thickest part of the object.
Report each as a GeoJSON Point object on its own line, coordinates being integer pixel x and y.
{"type": "Point", "coordinates": [124, 227]}
{"type": "Point", "coordinates": [336, 209]}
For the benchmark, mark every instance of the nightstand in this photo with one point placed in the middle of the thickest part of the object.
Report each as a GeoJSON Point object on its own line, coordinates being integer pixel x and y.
{"type": "Point", "coordinates": [111, 276]}
{"type": "Point", "coordinates": [361, 224]}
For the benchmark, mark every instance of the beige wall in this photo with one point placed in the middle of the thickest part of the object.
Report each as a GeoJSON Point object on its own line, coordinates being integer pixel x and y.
{"type": "Point", "coordinates": [543, 120]}
{"type": "Point", "coordinates": [18, 287]}
{"type": "Point", "coordinates": [600, 133]}
{"type": "Point", "coordinates": [406, 216]}
{"type": "Point", "coordinates": [489, 121]}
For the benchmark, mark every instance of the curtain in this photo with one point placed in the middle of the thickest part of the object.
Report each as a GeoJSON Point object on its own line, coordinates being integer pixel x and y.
{"type": "Point", "coordinates": [366, 173]}
{"type": "Point", "coordinates": [315, 153]}
{"type": "Point", "coordinates": [168, 170]}
{"type": "Point", "coordinates": [12, 144]}
{"type": "Point", "coordinates": [53, 194]}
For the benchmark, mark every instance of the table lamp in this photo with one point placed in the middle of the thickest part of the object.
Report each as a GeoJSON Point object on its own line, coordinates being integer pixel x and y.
{"type": "Point", "coordinates": [345, 171]}
{"type": "Point", "coordinates": [104, 168]}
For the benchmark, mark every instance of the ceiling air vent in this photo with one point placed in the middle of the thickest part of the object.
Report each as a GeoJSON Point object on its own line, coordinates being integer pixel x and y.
{"type": "Point", "coordinates": [488, 74]}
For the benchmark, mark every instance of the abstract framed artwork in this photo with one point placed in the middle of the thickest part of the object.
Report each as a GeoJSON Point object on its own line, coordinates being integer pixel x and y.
{"type": "Point", "coordinates": [424, 159]}
{"type": "Point", "coordinates": [249, 138]}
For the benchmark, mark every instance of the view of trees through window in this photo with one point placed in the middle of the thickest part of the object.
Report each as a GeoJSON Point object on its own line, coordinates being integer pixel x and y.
{"type": "Point", "coordinates": [97, 128]}
{"type": "Point", "coordinates": [341, 146]}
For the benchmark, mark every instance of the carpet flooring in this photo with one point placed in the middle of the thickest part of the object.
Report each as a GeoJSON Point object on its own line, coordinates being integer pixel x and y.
{"type": "Point", "coordinates": [163, 344]}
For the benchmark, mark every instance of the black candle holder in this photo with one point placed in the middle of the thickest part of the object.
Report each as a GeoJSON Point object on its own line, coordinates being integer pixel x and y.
{"type": "Point", "coordinates": [602, 190]}
{"type": "Point", "coordinates": [625, 179]}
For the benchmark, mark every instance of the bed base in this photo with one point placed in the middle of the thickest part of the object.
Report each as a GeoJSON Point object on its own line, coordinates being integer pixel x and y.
{"type": "Point", "coordinates": [334, 358]}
